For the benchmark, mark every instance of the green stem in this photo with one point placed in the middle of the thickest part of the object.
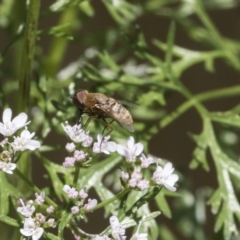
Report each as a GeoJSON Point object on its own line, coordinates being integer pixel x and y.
{"type": "Point", "coordinates": [210, 95]}
{"type": "Point", "coordinates": [30, 34]}
{"type": "Point", "coordinates": [26, 67]}
{"type": "Point", "coordinates": [216, 37]}
{"type": "Point", "coordinates": [118, 196]}
{"type": "Point", "coordinates": [76, 175]}
{"type": "Point", "coordinates": [143, 200]}
{"type": "Point", "coordinates": [59, 45]}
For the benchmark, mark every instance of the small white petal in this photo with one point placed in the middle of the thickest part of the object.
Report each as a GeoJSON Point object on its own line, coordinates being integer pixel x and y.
{"type": "Point", "coordinates": [121, 149]}
{"type": "Point", "coordinates": [37, 234]}
{"type": "Point", "coordinates": [111, 147]}
{"type": "Point", "coordinates": [172, 179]}
{"type": "Point", "coordinates": [33, 144]}
{"type": "Point", "coordinates": [130, 142]}
{"type": "Point", "coordinates": [163, 176]}
{"type": "Point", "coordinates": [26, 232]}
{"type": "Point", "coordinates": [168, 169]}
{"type": "Point", "coordinates": [20, 120]}
{"type": "Point", "coordinates": [9, 167]}
{"type": "Point", "coordinates": [138, 148]}
{"type": "Point", "coordinates": [7, 115]}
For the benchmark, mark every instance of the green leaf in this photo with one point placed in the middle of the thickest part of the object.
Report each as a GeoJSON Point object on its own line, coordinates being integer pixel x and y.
{"type": "Point", "coordinates": [230, 204]}
{"type": "Point", "coordinates": [128, 222]}
{"type": "Point", "coordinates": [166, 233]}
{"type": "Point", "coordinates": [107, 59]}
{"type": "Point", "coordinates": [65, 219]}
{"type": "Point", "coordinates": [6, 190]}
{"type": "Point", "coordinates": [122, 12]}
{"type": "Point", "coordinates": [105, 194]}
{"type": "Point", "coordinates": [199, 153]}
{"type": "Point", "coordinates": [51, 236]}
{"type": "Point", "coordinates": [86, 7]}
{"type": "Point", "coordinates": [229, 118]}
{"type": "Point", "coordinates": [163, 204]}
{"type": "Point", "coordinates": [9, 221]}
{"type": "Point", "coordinates": [60, 31]}
{"type": "Point", "coordinates": [143, 113]}
{"type": "Point", "coordinates": [150, 216]}
{"type": "Point", "coordinates": [215, 201]}
{"type": "Point", "coordinates": [93, 175]}
{"type": "Point", "coordinates": [149, 98]}
{"type": "Point", "coordinates": [60, 5]}
{"type": "Point", "coordinates": [54, 170]}
{"type": "Point", "coordinates": [170, 44]}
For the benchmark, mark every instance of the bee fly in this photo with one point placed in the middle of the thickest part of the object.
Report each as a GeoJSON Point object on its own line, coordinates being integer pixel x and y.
{"type": "Point", "coordinates": [98, 105]}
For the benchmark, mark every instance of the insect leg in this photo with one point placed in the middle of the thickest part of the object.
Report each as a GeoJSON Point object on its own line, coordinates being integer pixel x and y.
{"type": "Point", "coordinates": [79, 120]}
{"type": "Point", "coordinates": [87, 122]}
{"type": "Point", "coordinates": [107, 124]}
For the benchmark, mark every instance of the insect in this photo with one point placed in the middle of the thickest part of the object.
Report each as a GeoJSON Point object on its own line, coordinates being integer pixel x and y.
{"type": "Point", "coordinates": [98, 105]}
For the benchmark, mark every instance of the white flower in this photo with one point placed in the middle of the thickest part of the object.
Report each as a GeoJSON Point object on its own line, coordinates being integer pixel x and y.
{"type": "Point", "coordinates": [76, 133]}
{"type": "Point", "coordinates": [163, 176]}
{"type": "Point", "coordinates": [4, 142]}
{"type": "Point", "coordinates": [25, 141]}
{"type": "Point", "coordinates": [103, 145]}
{"type": "Point", "coordinates": [87, 141]}
{"type": "Point", "coordinates": [69, 162]}
{"type": "Point", "coordinates": [40, 198]}
{"type": "Point", "coordinates": [40, 218]}
{"type": "Point", "coordinates": [82, 194]}
{"type": "Point", "coordinates": [51, 222]}
{"type": "Point", "coordinates": [8, 127]}
{"type": "Point", "coordinates": [75, 209]}
{"type": "Point", "coordinates": [143, 184]}
{"type": "Point", "coordinates": [92, 203]}
{"type": "Point", "coordinates": [124, 176]}
{"type": "Point", "coordinates": [31, 229]}
{"type": "Point", "coordinates": [131, 151]}
{"type": "Point", "coordinates": [79, 155]}
{"type": "Point", "coordinates": [70, 147]}
{"type": "Point", "coordinates": [26, 210]}
{"type": "Point", "coordinates": [118, 232]}
{"type": "Point", "coordinates": [50, 209]}
{"type": "Point", "coordinates": [7, 167]}
{"type": "Point", "coordinates": [146, 161]}
{"type": "Point", "coordinates": [71, 192]}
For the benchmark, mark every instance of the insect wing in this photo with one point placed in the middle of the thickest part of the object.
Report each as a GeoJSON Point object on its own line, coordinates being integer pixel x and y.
{"type": "Point", "coordinates": [127, 103]}
{"type": "Point", "coordinates": [117, 112]}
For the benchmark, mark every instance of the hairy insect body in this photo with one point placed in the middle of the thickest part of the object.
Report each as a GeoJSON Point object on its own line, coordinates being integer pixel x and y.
{"type": "Point", "coordinates": [94, 102]}
{"type": "Point", "coordinates": [98, 105]}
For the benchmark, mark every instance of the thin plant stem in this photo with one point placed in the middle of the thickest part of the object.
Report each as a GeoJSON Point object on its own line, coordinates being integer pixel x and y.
{"type": "Point", "coordinates": [26, 66]}
{"type": "Point", "coordinates": [118, 196]}
{"type": "Point", "coordinates": [206, 96]}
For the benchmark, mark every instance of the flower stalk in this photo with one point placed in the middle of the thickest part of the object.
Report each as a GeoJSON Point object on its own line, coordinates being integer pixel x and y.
{"type": "Point", "coordinates": [27, 61]}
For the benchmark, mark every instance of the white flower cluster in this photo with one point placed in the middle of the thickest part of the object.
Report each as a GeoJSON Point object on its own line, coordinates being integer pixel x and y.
{"type": "Point", "coordinates": [12, 144]}
{"type": "Point", "coordinates": [77, 134]}
{"type": "Point", "coordinates": [118, 232]}
{"type": "Point", "coordinates": [133, 178]}
{"type": "Point", "coordinates": [79, 197]}
{"type": "Point", "coordinates": [136, 163]}
{"type": "Point", "coordinates": [34, 223]}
